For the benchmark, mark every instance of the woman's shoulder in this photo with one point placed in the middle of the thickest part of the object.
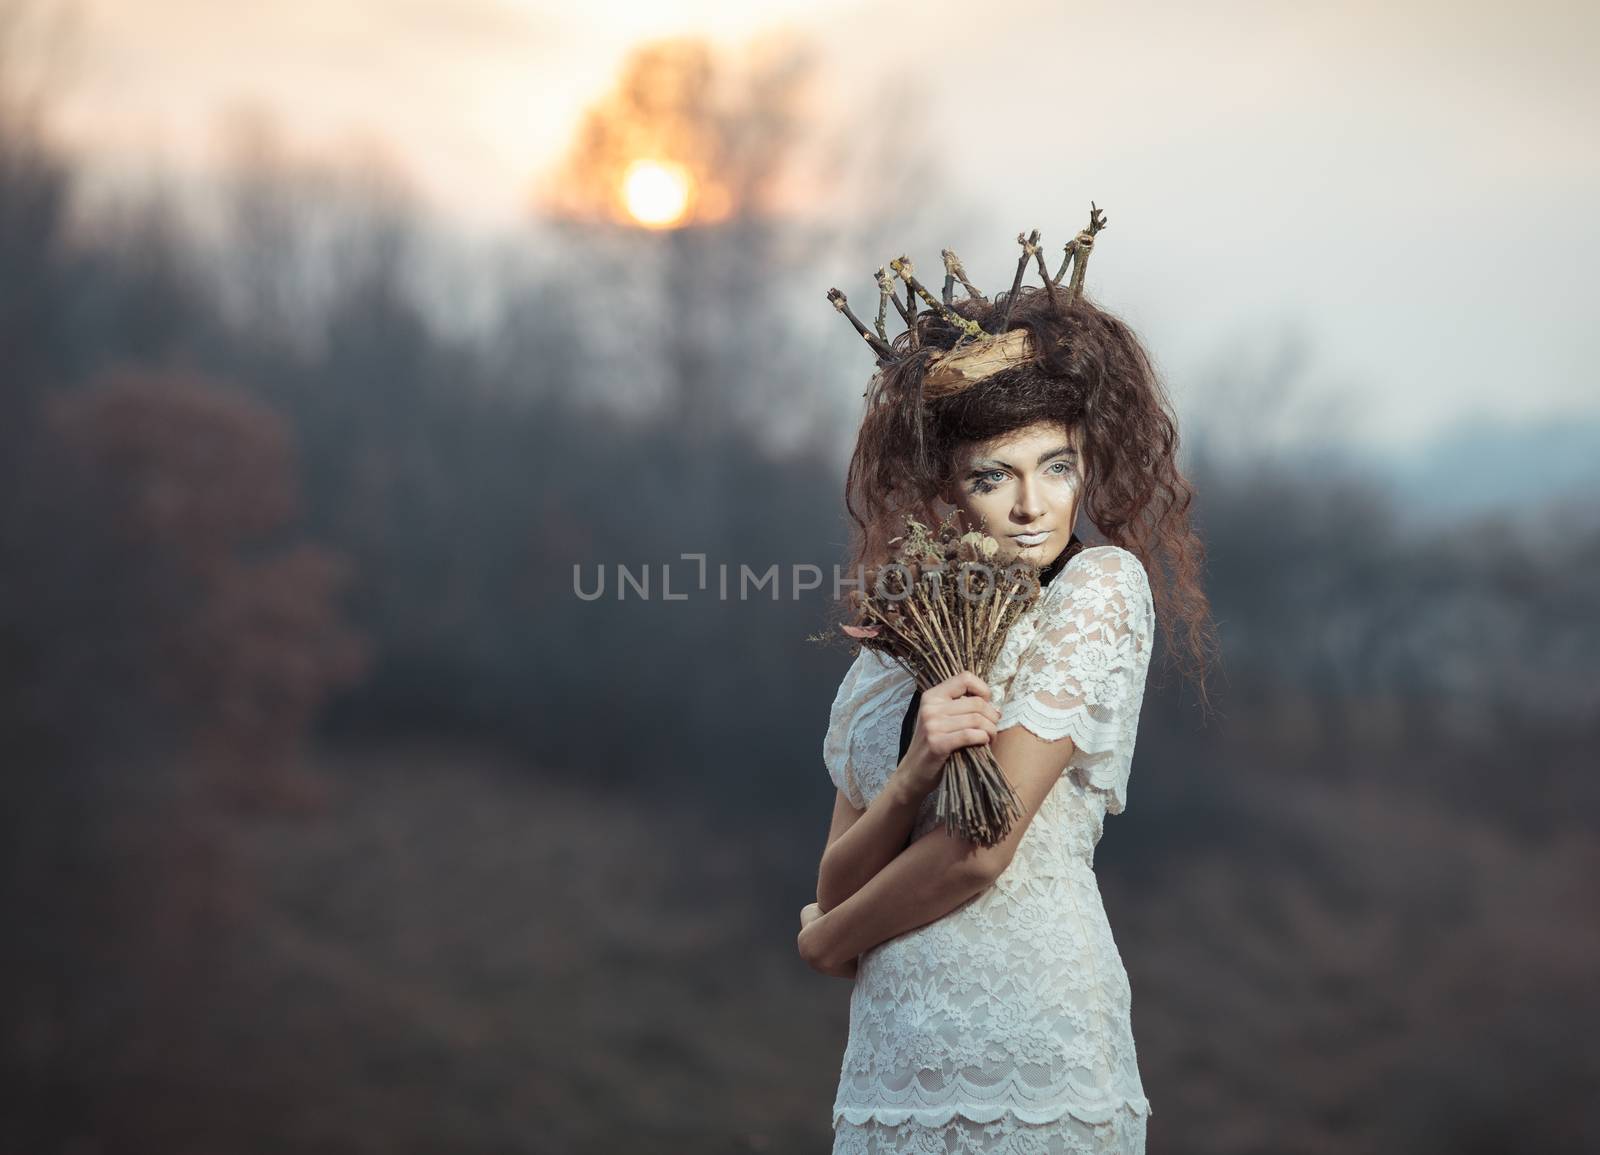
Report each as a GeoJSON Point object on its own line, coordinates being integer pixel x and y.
{"type": "Point", "coordinates": [866, 672]}
{"type": "Point", "coordinates": [870, 662]}
{"type": "Point", "coordinates": [852, 675]}
{"type": "Point", "coordinates": [1102, 580]}
{"type": "Point", "coordinates": [1107, 557]}
{"type": "Point", "coordinates": [1106, 566]}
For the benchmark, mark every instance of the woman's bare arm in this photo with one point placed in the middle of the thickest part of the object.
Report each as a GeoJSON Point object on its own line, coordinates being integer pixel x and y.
{"type": "Point", "coordinates": [862, 842]}
{"type": "Point", "coordinates": [955, 713]}
{"type": "Point", "coordinates": [930, 878]}
{"type": "Point", "coordinates": [939, 871]}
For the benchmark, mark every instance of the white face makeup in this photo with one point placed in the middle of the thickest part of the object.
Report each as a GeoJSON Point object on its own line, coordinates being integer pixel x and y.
{"type": "Point", "coordinates": [1022, 489]}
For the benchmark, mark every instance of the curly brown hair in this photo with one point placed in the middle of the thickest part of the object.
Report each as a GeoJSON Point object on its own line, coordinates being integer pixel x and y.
{"type": "Point", "coordinates": [1090, 371]}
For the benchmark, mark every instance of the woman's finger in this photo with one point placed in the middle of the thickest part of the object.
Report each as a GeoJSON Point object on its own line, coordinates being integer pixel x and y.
{"type": "Point", "coordinates": [972, 684]}
{"type": "Point", "coordinates": [973, 720]}
{"type": "Point", "coordinates": [957, 685]}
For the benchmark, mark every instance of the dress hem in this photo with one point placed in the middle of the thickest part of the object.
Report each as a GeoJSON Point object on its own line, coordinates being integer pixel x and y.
{"type": "Point", "coordinates": [990, 1112]}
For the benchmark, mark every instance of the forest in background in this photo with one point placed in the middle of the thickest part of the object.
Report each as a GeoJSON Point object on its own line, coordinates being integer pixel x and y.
{"type": "Point", "coordinates": [323, 831]}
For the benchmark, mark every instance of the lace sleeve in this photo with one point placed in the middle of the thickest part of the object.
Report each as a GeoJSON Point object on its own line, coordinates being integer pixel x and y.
{"type": "Point", "coordinates": [1082, 674]}
{"type": "Point", "coordinates": [836, 743]}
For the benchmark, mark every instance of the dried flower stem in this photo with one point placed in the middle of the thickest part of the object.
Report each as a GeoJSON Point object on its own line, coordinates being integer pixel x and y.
{"type": "Point", "coordinates": [916, 624]}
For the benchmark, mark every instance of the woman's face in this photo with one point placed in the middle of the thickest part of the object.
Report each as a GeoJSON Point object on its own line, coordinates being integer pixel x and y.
{"type": "Point", "coordinates": [1022, 489]}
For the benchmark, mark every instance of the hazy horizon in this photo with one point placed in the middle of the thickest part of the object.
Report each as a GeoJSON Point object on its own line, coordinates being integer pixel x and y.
{"type": "Point", "coordinates": [1404, 188]}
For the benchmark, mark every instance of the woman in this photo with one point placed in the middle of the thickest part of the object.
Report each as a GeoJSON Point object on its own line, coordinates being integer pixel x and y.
{"type": "Point", "coordinates": [991, 1011]}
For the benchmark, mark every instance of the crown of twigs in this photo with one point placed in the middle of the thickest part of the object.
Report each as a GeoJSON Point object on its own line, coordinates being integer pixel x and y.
{"type": "Point", "coordinates": [977, 353]}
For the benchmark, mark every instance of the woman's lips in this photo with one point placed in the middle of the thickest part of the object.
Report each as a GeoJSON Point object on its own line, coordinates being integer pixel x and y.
{"type": "Point", "coordinates": [1027, 539]}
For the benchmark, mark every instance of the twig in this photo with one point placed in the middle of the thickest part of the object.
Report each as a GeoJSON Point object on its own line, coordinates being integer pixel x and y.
{"type": "Point", "coordinates": [885, 291]}
{"type": "Point", "coordinates": [1085, 244]}
{"type": "Point", "coordinates": [954, 272]}
{"type": "Point", "coordinates": [879, 345]}
{"type": "Point", "coordinates": [1029, 244]}
{"type": "Point", "coordinates": [902, 268]}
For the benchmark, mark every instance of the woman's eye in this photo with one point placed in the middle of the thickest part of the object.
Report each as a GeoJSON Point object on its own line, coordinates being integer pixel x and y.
{"type": "Point", "coordinates": [1061, 467]}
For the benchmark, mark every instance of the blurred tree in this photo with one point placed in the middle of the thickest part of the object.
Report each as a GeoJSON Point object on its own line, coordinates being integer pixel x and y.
{"type": "Point", "coordinates": [198, 481]}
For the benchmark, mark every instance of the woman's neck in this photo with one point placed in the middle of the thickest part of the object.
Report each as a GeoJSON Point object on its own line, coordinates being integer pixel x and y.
{"type": "Point", "coordinates": [1073, 546]}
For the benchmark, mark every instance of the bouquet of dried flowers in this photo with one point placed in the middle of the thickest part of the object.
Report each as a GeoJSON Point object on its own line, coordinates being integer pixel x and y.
{"type": "Point", "coordinates": [940, 606]}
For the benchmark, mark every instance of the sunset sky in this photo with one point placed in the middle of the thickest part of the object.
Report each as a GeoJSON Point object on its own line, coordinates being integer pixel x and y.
{"type": "Point", "coordinates": [1411, 185]}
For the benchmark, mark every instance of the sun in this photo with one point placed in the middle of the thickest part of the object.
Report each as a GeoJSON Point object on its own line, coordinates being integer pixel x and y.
{"type": "Point", "coordinates": [657, 192]}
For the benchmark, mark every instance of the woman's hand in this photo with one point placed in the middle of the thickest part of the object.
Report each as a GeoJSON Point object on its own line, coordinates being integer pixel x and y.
{"type": "Point", "coordinates": [809, 944]}
{"type": "Point", "coordinates": [954, 714]}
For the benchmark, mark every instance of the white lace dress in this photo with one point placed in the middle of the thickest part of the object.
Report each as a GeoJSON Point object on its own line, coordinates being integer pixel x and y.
{"type": "Point", "coordinates": [1005, 1026]}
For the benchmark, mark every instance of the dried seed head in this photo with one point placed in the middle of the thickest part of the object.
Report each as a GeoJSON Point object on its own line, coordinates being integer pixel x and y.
{"type": "Point", "coordinates": [975, 581]}
{"type": "Point", "coordinates": [975, 546]}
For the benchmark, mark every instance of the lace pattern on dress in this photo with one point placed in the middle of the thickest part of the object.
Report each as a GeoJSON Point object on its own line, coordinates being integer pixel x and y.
{"type": "Point", "coordinates": [1006, 1024]}
{"type": "Point", "coordinates": [1124, 1131]}
{"type": "Point", "coordinates": [1077, 668]}
{"type": "Point", "coordinates": [858, 756]}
